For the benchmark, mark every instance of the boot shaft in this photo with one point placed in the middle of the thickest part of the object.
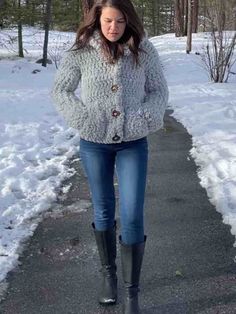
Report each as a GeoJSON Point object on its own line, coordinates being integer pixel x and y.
{"type": "Point", "coordinates": [106, 244]}
{"type": "Point", "coordinates": [131, 262]}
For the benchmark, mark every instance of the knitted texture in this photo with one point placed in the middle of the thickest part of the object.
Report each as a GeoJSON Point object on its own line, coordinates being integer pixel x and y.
{"type": "Point", "coordinates": [118, 102]}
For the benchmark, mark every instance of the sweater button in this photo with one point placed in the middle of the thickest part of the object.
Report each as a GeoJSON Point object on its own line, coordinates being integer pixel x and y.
{"type": "Point", "coordinates": [116, 138]}
{"type": "Point", "coordinates": [115, 113]}
{"type": "Point", "coordinates": [114, 88]}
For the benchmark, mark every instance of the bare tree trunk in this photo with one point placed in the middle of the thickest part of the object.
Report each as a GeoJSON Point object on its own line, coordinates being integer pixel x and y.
{"type": "Point", "coordinates": [182, 14]}
{"type": "Point", "coordinates": [195, 15]}
{"type": "Point", "coordinates": [186, 17]}
{"type": "Point", "coordinates": [46, 28]}
{"type": "Point", "coordinates": [189, 33]}
{"type": "Point", "coordinates": [20, 37]}
{"type": "Point", "coordinates": [205, 14]}
{"type": "Point", "coordinates": [179, 20]}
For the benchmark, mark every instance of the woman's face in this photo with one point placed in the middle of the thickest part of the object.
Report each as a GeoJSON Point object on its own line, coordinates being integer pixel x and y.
{"type": "Point", "coordinates": [112, 23]}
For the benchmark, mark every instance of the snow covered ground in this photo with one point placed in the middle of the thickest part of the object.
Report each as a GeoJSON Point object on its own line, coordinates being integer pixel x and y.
{"type": "Point", "coordinates": [35, 144]}
{"type": "Point", "coordinates": [208, 111]}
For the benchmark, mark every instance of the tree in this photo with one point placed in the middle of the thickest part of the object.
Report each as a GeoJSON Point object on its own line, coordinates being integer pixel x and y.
{"type": "Point", "coordinates": [218, 55]}
{"type": "Point", "coordinates": [179, 18]}
{"type": "Point", "coordinates": [186, 17]}
{"type": "Point", "coordinates": [195, 15]}
{"type": "Point", "coordinates": [20, 37]}
{"type": "Point", "coordinates": [189, 31]}
{"type": "Point", "coordinates": [46, 28]}
{"type": "Point", "coordinates": [158, 16]}
{"type": "Point", "coordinates": [204, 14]}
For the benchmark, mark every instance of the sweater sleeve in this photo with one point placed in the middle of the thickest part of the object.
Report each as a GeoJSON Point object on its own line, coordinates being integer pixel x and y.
{"type": "Point", "coordinates": [156, 89]}
{"type": "Point", "coordinates": [66, 82]}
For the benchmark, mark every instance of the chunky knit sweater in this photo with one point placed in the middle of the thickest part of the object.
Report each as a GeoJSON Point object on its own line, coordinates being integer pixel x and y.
{"type": "Point", "coordinates": [118, 102]}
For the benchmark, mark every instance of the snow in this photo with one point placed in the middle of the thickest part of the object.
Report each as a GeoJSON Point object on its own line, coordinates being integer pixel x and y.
{"type": "Point", "coordinates": [208, 111]}
{"type": "Point", "coordinates": [36, 145]}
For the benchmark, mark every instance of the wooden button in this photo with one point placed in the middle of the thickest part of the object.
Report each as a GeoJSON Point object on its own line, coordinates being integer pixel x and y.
{"type": "Point", "coordinates": [114, 88]}
{"type": "Point", "coordinates": [115, 113]}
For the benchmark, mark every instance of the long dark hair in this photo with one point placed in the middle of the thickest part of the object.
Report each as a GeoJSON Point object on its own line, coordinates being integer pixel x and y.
{"type": "Point", "coordinates": [133, 34]}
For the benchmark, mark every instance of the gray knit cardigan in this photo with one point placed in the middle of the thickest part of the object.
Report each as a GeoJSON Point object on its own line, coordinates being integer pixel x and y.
{"type": "Point", "coordinates": [118, 102]}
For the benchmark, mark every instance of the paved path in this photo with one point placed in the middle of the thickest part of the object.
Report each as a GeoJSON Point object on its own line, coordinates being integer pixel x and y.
{"type": "Point", "coordinates": [188, 266]}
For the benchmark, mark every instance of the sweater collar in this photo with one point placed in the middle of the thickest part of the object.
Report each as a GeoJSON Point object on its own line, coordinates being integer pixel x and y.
{"type": "Point", "coordinates": [95, 42]}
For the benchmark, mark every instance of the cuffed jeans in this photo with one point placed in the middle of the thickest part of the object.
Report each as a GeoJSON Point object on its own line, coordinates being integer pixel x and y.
{"type": "Point", "coordinates": [130, 161]}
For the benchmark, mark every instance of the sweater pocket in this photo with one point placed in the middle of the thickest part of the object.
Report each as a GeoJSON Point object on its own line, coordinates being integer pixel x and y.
{"type": "Point", "coordinates": [154, 120]}
{"type": "Point", "coordinates": [135, 125]}
{"type": "Point", "coordinates": [95, 126]}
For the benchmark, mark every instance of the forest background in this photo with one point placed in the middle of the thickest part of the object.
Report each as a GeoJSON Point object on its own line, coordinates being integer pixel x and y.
{"type": "Point", "coordinates": [182, 17]}
{"type": "Point", "coordinates": [159, 16]}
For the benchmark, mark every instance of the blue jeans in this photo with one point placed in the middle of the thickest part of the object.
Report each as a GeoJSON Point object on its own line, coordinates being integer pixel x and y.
{"type": "Point", "coordinates": [130, 161]}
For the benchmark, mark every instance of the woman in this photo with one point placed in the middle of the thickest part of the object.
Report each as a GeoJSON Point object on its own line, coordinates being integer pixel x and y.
{"type": "Point", "coordinates": [123, 99]}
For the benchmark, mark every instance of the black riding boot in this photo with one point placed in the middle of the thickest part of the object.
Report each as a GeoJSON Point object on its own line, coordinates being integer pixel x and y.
{"type": "Point", "coordinates": [131, 262]}
{"type": "Point", "coordinates": [106, 244]}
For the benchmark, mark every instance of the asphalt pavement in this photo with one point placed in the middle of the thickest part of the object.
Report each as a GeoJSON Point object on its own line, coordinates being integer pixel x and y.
{"type": "Point", "coordinates": [189, 259]}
